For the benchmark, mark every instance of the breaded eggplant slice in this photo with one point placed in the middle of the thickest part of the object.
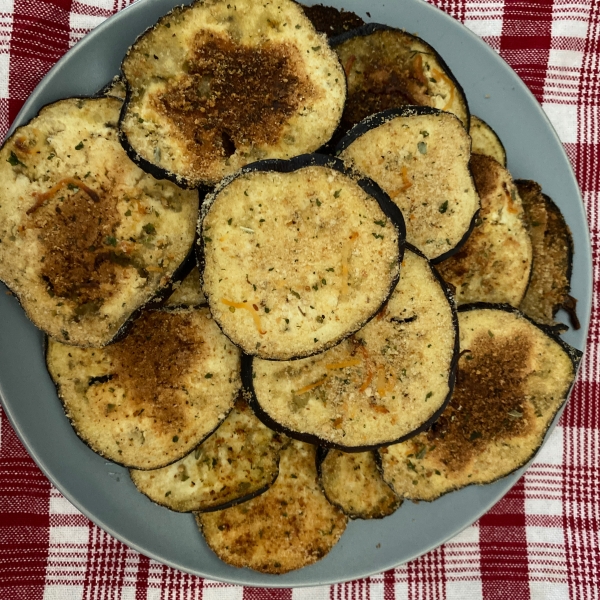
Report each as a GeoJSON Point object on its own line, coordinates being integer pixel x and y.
{"type": "Point", "coordinates": [238, 461]}
{"type": "Point", "coordinates": [116, 88]}
{"type": "Point", "coordinates": [389, 381]}
{"type": "Point", "coordinates": [216, 85]}
{"type": "Point", "coordinates": [420, 157]}
{"type": "Point", "coordinates": [513, 376]}
{"type": "Point", "coordinates": [484, 140]}
{"type": "Point", "coordinates": [86, 237]}
{"type": "Point", "coordinates": [290, 526]}
{"type": "Point", "coordinates": [330, 20]}
{"type": "Point", "coordinates": [552, 246]}
{"type": "Point", "coordinates": [353, 482]}
{"type": "Point", "coordinates": [298, 255]}
{"type": "Point", "coordinates": [388, 68]}
{"type": "Point", "coordinates": [188, 292]}
{"type": "Point", "coordinates": [494, 265]}
{"type": "Point", "coordinates": [150, 398]}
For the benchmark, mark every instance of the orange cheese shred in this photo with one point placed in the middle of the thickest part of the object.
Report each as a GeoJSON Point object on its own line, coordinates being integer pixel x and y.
{"type": "Point", "coordinates": [353, 362]}
{"type": "Point", "coordinates": [439, 75]}
{"type": "Point", "coordinates": [250, 308]}
{"type": "Point", "coordinates": [41, 197]}
{"type": "Point", "coordinates": [310, 386]}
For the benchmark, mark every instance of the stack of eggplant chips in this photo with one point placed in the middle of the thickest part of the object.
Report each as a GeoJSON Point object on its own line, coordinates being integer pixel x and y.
{"type": "Point", "coordinates": [87, 237]}
{"type": "Point", "coordinates": [494, 265]}
{"type": "Point", "coordinates": [513, 377]}
{"type": "Point", "coordinates": [199, 104]}
{"type": "Point", "coordinates": [420, 157]}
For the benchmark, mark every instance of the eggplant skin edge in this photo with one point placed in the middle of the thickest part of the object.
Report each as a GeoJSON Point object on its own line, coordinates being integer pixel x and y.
{"type": "Point", "coordinates": [294, 164]}
{"type": "Point", "coordinates": [574, 354]}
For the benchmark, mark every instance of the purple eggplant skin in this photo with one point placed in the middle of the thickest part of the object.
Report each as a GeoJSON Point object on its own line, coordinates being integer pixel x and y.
{"type": "Point", "coordinates": [250, 395]}
{"type": "Point", "coordinates": [391, 211]}
{"type": "Point", "coordinates": [373, 121]}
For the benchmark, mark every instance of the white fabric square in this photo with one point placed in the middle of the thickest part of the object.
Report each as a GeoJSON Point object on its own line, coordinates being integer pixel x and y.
{"type": "Point", "coordinates": [543, 506]}
{"type": "Point", "coordinates": [4, 72]}
{"type": "Point", "coordinates": [485, 27]}
{"type": "Point", "coordinates": [61, 506]}
{"type": "Point", "coordinates": [545, 535]}
{"type": "Point", "coordinates": [470, 535]}
{"type": "Point", "coordinates": [547, 590]}
{"type": "Point", "coordinates": [565, 58]}
{"type": "Point", "coordinates": [552, 451]}
{"type": "Point", "coordinates": [153, 594]}
{"type": "Point", "coordinates": [401, 590]}
{"type": "Point", "coordinates": [63, 592]}
{"type": "Point", "coordinates": [106, 5]}
{"type": "Point", "coordinates": [69, 535]}
{"type": "Point", "coordinates": [309, 593]}
{"type": "Point", "coordinates": [84, 22]}
{"type": "Point", "coordinates": [222, 592]}
{"type": "Point", "coordinates": [7, 6]}
{"type": "Point", "coordinates": [569, 28]}
{"type": "Point", "coordinates": [376, 590]}
{"type": "Point", "coordinates": [127, 593]}
{"type": "Point", "coordinates": [564, 119]}
{"type": "Point", "coordinates": [463, 590]}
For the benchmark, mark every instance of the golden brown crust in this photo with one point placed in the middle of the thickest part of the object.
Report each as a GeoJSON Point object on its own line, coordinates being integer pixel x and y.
{"type": "Point", "coordinates": [288, 527]}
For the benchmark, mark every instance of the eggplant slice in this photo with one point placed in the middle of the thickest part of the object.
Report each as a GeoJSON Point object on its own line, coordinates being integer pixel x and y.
{"type": "Point", "coordinates": [331, 21]}
{"type": "Point", "coordinates": [238, 461]}
{"type": "Point", "coordinates": [495, 263]}
{"type": "Point", "coordinates": [149, 399]}
{"type": "Point", "coordinates": [188, 292]}
{"type": "Point", "coordinates": [552, 245]}
{"type": "Point", "coordinates": [420, 157]}
{"type": "Point", "coordinates": [388, 68]}
{"type": "Point", "coordinates": [484, 140]}
{"type": "Point", "coordinates": [217, 85]}
{"type": "Point", "coordinates": [513, 376]}
{"type": "Point", "coordinates": [298, 255]}
{"type": "Point", "coordinates": [86, 237]}
{"type": "Point", "coordinates": [290, 526]}
{"type": "Point", "coordinates": [385, 384]}
{"type": "Point", "coordinates": [353, 482]}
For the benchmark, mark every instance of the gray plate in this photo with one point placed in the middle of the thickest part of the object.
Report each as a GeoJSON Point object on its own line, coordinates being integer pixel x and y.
{"type": "Point", "coordinates": [104, 491]}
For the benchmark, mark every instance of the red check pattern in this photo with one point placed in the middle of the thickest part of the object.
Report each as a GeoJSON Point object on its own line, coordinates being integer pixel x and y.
{"type": "Point", "coordinates": [540, 542]}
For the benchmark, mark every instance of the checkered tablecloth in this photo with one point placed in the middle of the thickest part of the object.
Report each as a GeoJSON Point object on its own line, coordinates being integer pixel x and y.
{"type": "Point", "coordinates": [540, 542]}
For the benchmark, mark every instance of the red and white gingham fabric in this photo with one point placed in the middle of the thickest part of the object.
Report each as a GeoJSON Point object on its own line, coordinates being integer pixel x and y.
{"type": "Point", "coordinates": [541, 542]}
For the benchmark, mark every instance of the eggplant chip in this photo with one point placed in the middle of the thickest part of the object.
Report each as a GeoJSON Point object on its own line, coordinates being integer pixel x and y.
{"type": "Point", "coordinates": [149, 399]}
{"type": "Point", "coordinates": [353, 482]}
{"type": "Point", "coordinates": [298, 255]}
{"type": "Point", "coordinates": [386, 383]}
{"type": "Point", "coordinates": [420, 157]}
{"type": "Point", "coordinates": [494, 265]}
{"type": "Point", "coordinates": [188, 292]}
{"type": "Point", "coordinates": [86, 237]}
{"type": "Point", "coordinates": [216, 85]}
{"type": "Point", "coordinates": [288, 527]}
{"type": "Point", "coordinates": [330, 20]}
{"type": "Point", "coordinates": [512, 378]}
{"type": "Point", "coordinates": [237, 462]}
{"type": "Point", "coordinates": [388, 68]}
{"type": "Point", "coordinates": [484, 140]}
{"type": "Point", "coordinates": [115, 88]}
{"type": "Point", "coordinates": [552, 245]}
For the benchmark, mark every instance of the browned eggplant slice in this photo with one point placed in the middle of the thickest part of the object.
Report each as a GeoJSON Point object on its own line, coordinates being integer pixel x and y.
{"type": "Point", "coordinates": [513, 376]}
{"type": "Point", "coordinates": [298, 255]}
{"type": "Point", "coordinates": [238, 461]}
{"type": "Point", "coordinates": [290, 526]}
{"type": "Point", "coordinates": [188, 292]}
{"type": "Point", "coordinates": [484, 140]}
{"type": "Point", "coordinates": [352, 482]}
{"type": "Point", "coordinates": [330, 20]}
{"type": "Point", "coordinates": [385, 384]}
{"type": "Point", "coordinates": [388, 68]}
{"type": "Point", "coordinates": [216, 85]}
{"type": "Point", "coordinates": [149, 399]}
{"type": "Point", "coordinates": [420, 157]}
{"type": "Point", "coordinates": [552, 245]}
{"type": "Point", "coordinates": [494, 265]}
{"type": "Point", "coordinates": [86, 237]}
